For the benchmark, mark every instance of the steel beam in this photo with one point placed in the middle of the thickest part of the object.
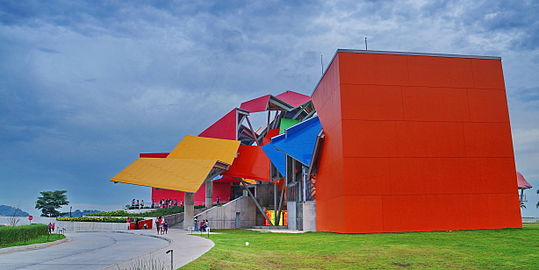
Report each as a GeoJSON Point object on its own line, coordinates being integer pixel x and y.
{"type": "Point", "coordinates": [244, 185]}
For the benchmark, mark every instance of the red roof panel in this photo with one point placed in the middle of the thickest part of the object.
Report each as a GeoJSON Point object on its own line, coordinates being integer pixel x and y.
{"type": "Point", "coordinates": [224, 128]}
{"type": "Point", "coordinates": [293, 98]}
{"type": "Point", "coordinates": [256, 105]}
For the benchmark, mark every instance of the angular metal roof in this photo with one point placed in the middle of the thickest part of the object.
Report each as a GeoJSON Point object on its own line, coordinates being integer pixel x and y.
{"type": "Point", "coordinates": [193, 160]}
{"type": "Point", "coordinates": [522, 183]}
{"type": "Point", "coordinates": [299, 140]}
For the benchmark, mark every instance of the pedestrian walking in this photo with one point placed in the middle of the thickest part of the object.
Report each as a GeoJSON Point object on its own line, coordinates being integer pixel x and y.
{"type": "Point", "coordinates": [165, 227]}
{"type": "Point", "coordinates": [157, 224]}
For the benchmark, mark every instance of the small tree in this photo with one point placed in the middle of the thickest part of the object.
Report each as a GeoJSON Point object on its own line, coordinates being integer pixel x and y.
{"type": "Point", "coordinates": [49, 201]}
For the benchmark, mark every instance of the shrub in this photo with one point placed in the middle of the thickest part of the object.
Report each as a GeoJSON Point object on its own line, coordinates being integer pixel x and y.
{"type": "Point", "coordinates": [117, 213]}
{"type": "Point", "coordinates": [155, 213]}
{"type": "Point", "coordinates": [97, 219]}
{"type": "Point", "coordinates": [22, 233]}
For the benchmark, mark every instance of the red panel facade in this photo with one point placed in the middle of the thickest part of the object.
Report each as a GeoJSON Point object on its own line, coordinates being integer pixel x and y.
{"type": "Point", "coordinates": [251, 163]}
{"type": "Point", "coordinates": [414, 143]}
{"type": "Point", "coordinates": [221, 190]}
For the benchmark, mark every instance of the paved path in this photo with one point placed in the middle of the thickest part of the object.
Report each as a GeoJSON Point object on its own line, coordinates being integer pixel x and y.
{"type": "Point", "coordinates": [186, 249]}
{"type": "Point", "coordinates": [85, 250]}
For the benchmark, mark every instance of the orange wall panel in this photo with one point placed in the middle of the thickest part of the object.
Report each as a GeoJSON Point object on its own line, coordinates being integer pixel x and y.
{"type": "Point", "coordinates": [488, 140]}
{"type": "Point", "coordinates": [487, 105]}
{"type": "Point", "coordinates": [382, 102]}
{"type": "Point", "coordinates": [487, 74]}
{"type": "Point", "coordinates": [414, 143]}
{"type": "Point", "coordinates": [366, 182]}
{"type": "Point", "coordinates": [435, 104]}
{"type": "Point", "coordinates": [375, 69]}
{"type": "Point", "coordinates": [440, 71]}
{"type": "Point", "coordinates": [367, 217]}
{"type": "Point", "coordinates": [329, 201]}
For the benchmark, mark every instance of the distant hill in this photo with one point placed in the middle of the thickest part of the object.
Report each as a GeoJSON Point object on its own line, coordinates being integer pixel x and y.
{"type": "Point", "coordinates": [6, 210]}
{"type": "Point", "coordinates": [79, 213]}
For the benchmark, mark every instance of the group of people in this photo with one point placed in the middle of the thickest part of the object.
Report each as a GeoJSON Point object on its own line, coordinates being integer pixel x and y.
{"type": "Point", "coordinates": [168, 203]}
{"type": "Point", "coordinates": [137, 204]}
{"type": "Point", "coordinates": [162, 225]}
{"type": "Point", "coordinates": [51, 227]}
{"type": "Point", "coordinates": [202, 226]}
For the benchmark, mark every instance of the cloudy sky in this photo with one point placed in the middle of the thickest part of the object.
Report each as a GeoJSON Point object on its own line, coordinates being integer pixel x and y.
{"type": "Point", "coordinates": [86, 86]}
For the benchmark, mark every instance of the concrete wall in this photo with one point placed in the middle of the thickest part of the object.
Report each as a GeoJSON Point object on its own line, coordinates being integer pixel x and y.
{"type": "Point", "coordinates": [69, 226]}
{"type": "Point", "coordinates": [138, 211]}
{"type": "Point", "coordinates": [291, 208]}
{"type": "Point", "coordinates": [224, 216]}
{"type": "Point", "coordinates": [309, 216]}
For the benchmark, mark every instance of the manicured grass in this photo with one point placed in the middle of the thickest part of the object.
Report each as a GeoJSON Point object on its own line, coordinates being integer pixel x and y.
{"type": "Point", "coordinates": [11, 234]}
{"type": "Point", "coordinates": [483, 249]}
{"type": "Point", "coordinates": [36, 240]}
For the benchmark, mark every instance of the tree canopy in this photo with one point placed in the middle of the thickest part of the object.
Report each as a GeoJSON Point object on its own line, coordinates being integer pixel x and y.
{"type": "Point", "coordinates": [49, 201]}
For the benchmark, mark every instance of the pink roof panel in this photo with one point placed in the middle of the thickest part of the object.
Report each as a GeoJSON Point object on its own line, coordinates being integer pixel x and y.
{"type": "Point", "coordinates": [293, 98]}
{"type": "Point", "coordinates": [256, 105]}
{"type": "Point", "coordinates": [224, 128]}
{"type": "Point", "coordinates": [522, 183]}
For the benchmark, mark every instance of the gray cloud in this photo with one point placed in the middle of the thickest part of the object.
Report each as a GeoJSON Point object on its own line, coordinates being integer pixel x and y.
{"type": "Point", "coordinates": [85, 86]}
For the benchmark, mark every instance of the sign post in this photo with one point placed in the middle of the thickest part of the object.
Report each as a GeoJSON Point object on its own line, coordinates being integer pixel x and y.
{"type": "Point", "coordinates": [30, 218]}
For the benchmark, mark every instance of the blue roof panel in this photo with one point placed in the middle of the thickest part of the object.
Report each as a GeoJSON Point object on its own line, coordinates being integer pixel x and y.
{"type": "Point", "coordinates": [299, 140]}
{"type": "Point", "coordinates": [277, 158]}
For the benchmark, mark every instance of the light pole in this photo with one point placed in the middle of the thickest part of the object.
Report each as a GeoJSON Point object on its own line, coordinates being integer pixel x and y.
{"type": "Point", "coordinates": [70, 210]}
{"type": "Point", "coordinates": [171, 258]}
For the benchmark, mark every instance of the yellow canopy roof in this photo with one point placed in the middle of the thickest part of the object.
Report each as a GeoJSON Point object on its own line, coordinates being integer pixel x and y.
{"type": "Point", "coordinates": [184, 169]}
{"type": "Point", "coordinates": [169, 173]}
{"type": "Point", "coordinates": [206, 148]}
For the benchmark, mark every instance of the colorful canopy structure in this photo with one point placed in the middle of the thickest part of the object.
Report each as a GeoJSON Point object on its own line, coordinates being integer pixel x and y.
{"type": "Point", "coordinates": [226, 127]}
{"type": "Point", "coordinates": [277, 157]}
{"type": "Point", "coordinates": [293, 98]}
{"type": "Point", "coordinates": [286, 123]}
{"type": "Point", "coordinates": [192, 147]}
{"type": "Point", "coordinates": [381, 129]}
{"type": "Point", "coordinates": [522, 183]}
{"type": "Point", "coordinates": [299, 140]}
{"type": "Point", "coordinates": [169, 173]}
{"type": "Point", "coordinates": [265, 103]}
{"type": "Point", "coordinates": [251, 163]}
{"type": "Point", "coordinates": [193, 160]}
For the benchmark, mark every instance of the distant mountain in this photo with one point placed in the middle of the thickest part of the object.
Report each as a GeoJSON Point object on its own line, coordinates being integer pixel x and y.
{"type": "Point", "coordinates": [6, 210]}
{"type": "Point", "coordinates": [79, 213]}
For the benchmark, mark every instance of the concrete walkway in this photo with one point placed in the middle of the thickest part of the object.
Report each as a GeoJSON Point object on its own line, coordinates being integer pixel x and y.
{"type": "Point", "coordinates": [186, 249]}
{"type": "Point", "coordinates": [84, 250]}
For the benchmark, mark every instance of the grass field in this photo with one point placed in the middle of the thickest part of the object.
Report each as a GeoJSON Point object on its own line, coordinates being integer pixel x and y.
{"type": "Point", "coordinates": [485, 249]}
{"type": "Point", "coordinates": [36, 240]}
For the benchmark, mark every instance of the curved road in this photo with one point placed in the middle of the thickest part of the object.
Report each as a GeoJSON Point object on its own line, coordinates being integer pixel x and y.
{"type": "Point", "coordinates": [85, 250]}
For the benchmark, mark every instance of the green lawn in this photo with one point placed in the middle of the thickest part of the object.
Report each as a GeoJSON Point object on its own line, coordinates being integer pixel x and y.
{"type": "Point", "coordinates": [36, 240]}
{"type": "Point", "coordinates": [485, 249]}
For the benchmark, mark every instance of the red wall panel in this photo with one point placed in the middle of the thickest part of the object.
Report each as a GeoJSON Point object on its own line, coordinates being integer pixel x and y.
{"type": "Point", "coordinates": [415, 143]}
{"type": "Point", "coordinates": [221, 190]}
{"type": "Point", "coordinates": [251, 163]}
